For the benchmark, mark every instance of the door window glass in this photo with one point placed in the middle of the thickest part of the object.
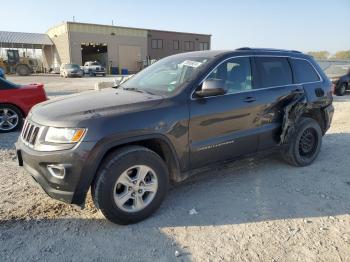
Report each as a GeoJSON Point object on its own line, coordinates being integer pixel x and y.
{"type": "Point", "coordinates": [274, 71]}
{"type": "Point", "coordinates": [236, 74]}
{"type": "Point", "coordinates": [304, 72]}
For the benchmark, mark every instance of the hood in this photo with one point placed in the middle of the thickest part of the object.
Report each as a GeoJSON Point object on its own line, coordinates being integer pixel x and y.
{"type": "Point", "coordinates": [72, 69]}
{"type": "Point", "coordinates": [73, 109]}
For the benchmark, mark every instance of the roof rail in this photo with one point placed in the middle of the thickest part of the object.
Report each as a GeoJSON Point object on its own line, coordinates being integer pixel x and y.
{"type": "Point", "coordinates": [244, 48]}
{"type": "Point", "coordinates": [267, 50]}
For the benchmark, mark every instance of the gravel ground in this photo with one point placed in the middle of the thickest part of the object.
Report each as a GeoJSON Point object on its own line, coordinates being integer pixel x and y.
{"type": "Point", "coordinates": [255, 209]}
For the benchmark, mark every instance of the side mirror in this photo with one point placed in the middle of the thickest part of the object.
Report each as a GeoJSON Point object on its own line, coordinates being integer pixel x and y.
{"type": "Point", "coordinates": [212, 87]}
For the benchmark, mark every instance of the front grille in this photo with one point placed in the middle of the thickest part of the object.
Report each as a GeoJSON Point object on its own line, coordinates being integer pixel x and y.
{"type": "Point", "coordinates": [30, 132]}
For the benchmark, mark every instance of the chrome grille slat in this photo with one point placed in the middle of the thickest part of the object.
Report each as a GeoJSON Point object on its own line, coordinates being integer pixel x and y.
{"type": "Point", "coordinates": [30, 133]}
{"type": "Point", "coordinates": [25, 130]}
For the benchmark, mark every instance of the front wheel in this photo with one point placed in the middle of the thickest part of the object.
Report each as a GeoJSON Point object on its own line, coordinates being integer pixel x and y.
{"type": "Point", "coordinates": [130, 185]}
{"type": "Point", "coordinates": [11, 118]}
{"type": "Point", "coordinates": [305, 144]}
{"type": "Point", "coordinates": [22, 70]}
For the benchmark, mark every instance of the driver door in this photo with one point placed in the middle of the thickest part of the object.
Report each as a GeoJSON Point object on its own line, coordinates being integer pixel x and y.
{"type": "Point", "coordinates": [222, 127]}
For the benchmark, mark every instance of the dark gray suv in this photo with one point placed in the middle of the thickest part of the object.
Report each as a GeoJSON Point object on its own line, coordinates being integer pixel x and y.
{"type": "Point", "coordinates": [183, 113]}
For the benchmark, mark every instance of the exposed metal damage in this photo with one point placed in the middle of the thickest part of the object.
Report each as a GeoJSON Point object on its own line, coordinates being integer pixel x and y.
{"type": "Point", "coordinates": [292, 112]}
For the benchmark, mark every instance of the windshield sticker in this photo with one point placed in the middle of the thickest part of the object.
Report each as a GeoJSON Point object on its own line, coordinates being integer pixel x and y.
{"type": "Point", "coordinates": [190, 63]}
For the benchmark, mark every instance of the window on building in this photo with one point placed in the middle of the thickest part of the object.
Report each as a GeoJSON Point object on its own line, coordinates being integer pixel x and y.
{"type": "Point", "coordinates": [157, 44]}
{"type": "Point", "coordinates": [274, 71]}
{"type": "Point", "coordinates": [236, 73]}
{"type": "Point", "coordinates": [304, 72]}
{"type": "Point", "coordinates": [203, 46]}
{"type": "Point", "coordinates": [176, 44]}
{"type": "Point", "coordinates": [189, 46]}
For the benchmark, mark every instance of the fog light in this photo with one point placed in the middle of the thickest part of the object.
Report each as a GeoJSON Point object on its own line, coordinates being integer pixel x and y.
{"type": "Point", "coordinates": [58, 171]}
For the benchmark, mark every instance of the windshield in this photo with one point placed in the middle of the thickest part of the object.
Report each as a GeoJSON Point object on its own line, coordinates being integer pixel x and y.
{"type": "Point", "coordinates": [166, 76]}
{"type": "Point", "coordinates": [338, 70]}
{"type": "Point", "coordinates": [72, 66]}
{"type": "Point", "coordinates": [95, 63]}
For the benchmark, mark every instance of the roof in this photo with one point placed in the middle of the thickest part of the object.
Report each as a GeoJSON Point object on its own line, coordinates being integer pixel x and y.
{"type": "Point", "coordinates": [124, 27]}
{"type": "Point", "coordinates": [28, 39]}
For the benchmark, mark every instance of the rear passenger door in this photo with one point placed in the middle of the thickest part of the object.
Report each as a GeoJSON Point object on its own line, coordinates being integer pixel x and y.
{"type": "Point", "coordinates": [275, 88]}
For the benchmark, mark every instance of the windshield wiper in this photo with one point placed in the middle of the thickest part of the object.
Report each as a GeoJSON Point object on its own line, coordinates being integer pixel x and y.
{"type": "Point", "coordinates": [137, 90]}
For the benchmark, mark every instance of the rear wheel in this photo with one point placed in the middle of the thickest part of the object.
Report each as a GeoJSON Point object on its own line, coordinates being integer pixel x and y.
{"type": "Point", "coordinates": [11, 118]}
{"type": "Point", "coordinates": [22, 70]}
{"type": "Point", "coordinates": [341, 90]}
{"type": "Point", "coordinates": [130, 185]}
{"type": "Point", "coordinates": [305, 144]}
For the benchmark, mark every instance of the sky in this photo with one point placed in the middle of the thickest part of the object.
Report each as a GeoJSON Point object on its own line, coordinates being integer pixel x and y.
{"type": "Point", "coordinates": [305, 25]}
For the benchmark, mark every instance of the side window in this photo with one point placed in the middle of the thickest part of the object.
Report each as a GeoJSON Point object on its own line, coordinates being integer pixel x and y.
{"type": "Point", "coordinates": [304, 72]}
{"type": "Point", "coordinates": [236, 74]}
{"type": "Point", "coordinates": [274, 71]}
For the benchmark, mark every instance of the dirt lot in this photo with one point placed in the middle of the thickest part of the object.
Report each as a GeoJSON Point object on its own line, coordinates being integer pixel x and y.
{"type": "Point", "coordinates": [256, 209]}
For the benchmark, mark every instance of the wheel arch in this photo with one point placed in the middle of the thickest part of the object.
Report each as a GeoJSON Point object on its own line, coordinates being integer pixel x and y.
{"type": "Point", "coordinates": [15, 105]}
{"type": "Point", "coordinates": [157, 143]}
{"type": "Point", "coordinates": [318, 115]}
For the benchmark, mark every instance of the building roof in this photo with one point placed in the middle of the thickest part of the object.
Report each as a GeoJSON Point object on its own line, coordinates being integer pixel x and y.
{"type": "Point", "coordinates": [17, 39]}
{"type": "Point", "coordinates": [124, 27]}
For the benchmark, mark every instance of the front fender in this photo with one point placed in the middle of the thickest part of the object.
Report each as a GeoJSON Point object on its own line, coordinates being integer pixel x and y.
{"type": "Point", "coordinates": [97, 154]}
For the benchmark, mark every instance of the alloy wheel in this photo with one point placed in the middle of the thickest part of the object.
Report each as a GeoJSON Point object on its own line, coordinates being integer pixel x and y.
{"type": "Point", "coordinates": [8, 119]}
{"type": "Point", "coordinates": [135, 188]}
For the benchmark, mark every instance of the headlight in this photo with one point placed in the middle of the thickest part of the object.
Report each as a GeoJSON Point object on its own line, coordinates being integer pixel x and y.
{"type": "Point", "coordinates": [64, 135]}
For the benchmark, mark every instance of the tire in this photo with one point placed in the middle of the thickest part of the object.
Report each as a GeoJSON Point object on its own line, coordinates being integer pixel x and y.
{"type": "Point", "coordinates": [305, 144]}
{"type": "Point", "coordinates": [108, 192]}
{"type": "Point", "coordinates": [17, 122]}
{"type": "Point", "coordinates": [341, 90]}
{"type": "Point", "coordinates": [22, 70]}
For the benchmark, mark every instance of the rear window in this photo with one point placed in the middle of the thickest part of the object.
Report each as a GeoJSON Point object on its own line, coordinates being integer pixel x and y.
{"type": "Point", "coordinates": [274, 71]}
{"type": "Point", "coordinates": [304, 71]}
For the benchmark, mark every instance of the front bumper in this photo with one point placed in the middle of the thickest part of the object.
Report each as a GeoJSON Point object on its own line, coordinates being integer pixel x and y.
{"type": "Point", "coordinates": [100, 72]}
{"type": "Point", "coordinates": [74, 74]}
{"type": "Point", "coordinates": [37, 163]}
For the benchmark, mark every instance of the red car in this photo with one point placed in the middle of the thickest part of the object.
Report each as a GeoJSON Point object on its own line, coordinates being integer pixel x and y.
{"type": "Point", "coordinates": [16, 101]}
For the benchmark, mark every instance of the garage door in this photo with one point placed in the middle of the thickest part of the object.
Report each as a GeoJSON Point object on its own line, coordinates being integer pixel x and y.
{"type": "Point", "coordinates": [129, 56]}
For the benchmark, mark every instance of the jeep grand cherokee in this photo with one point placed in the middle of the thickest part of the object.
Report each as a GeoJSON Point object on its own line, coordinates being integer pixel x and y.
{"type": "Point", "coordinates": [185, 112]}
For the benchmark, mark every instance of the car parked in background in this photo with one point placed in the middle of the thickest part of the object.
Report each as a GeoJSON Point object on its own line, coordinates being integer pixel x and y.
{"type": "Point", "coordinates": [94, 68]}
{"type": "Point", "coordinates": [175, 118]}
{"type": "Point", "coordinates": [16, 101]}
{"type": "Point", "coordinates": [71, 70]}
{"type": "Point", "coordinates": [340, 77]}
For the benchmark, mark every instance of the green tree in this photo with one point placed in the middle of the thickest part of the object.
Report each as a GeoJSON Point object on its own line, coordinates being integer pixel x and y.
{"type": "Point", "coordinates": [342, 55]}
{"type": "Point", "coordinates": [319, 54]}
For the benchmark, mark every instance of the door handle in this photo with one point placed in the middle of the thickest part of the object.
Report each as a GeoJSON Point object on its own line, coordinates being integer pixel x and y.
{"type": "Point", "coordinates": [249, 99]}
